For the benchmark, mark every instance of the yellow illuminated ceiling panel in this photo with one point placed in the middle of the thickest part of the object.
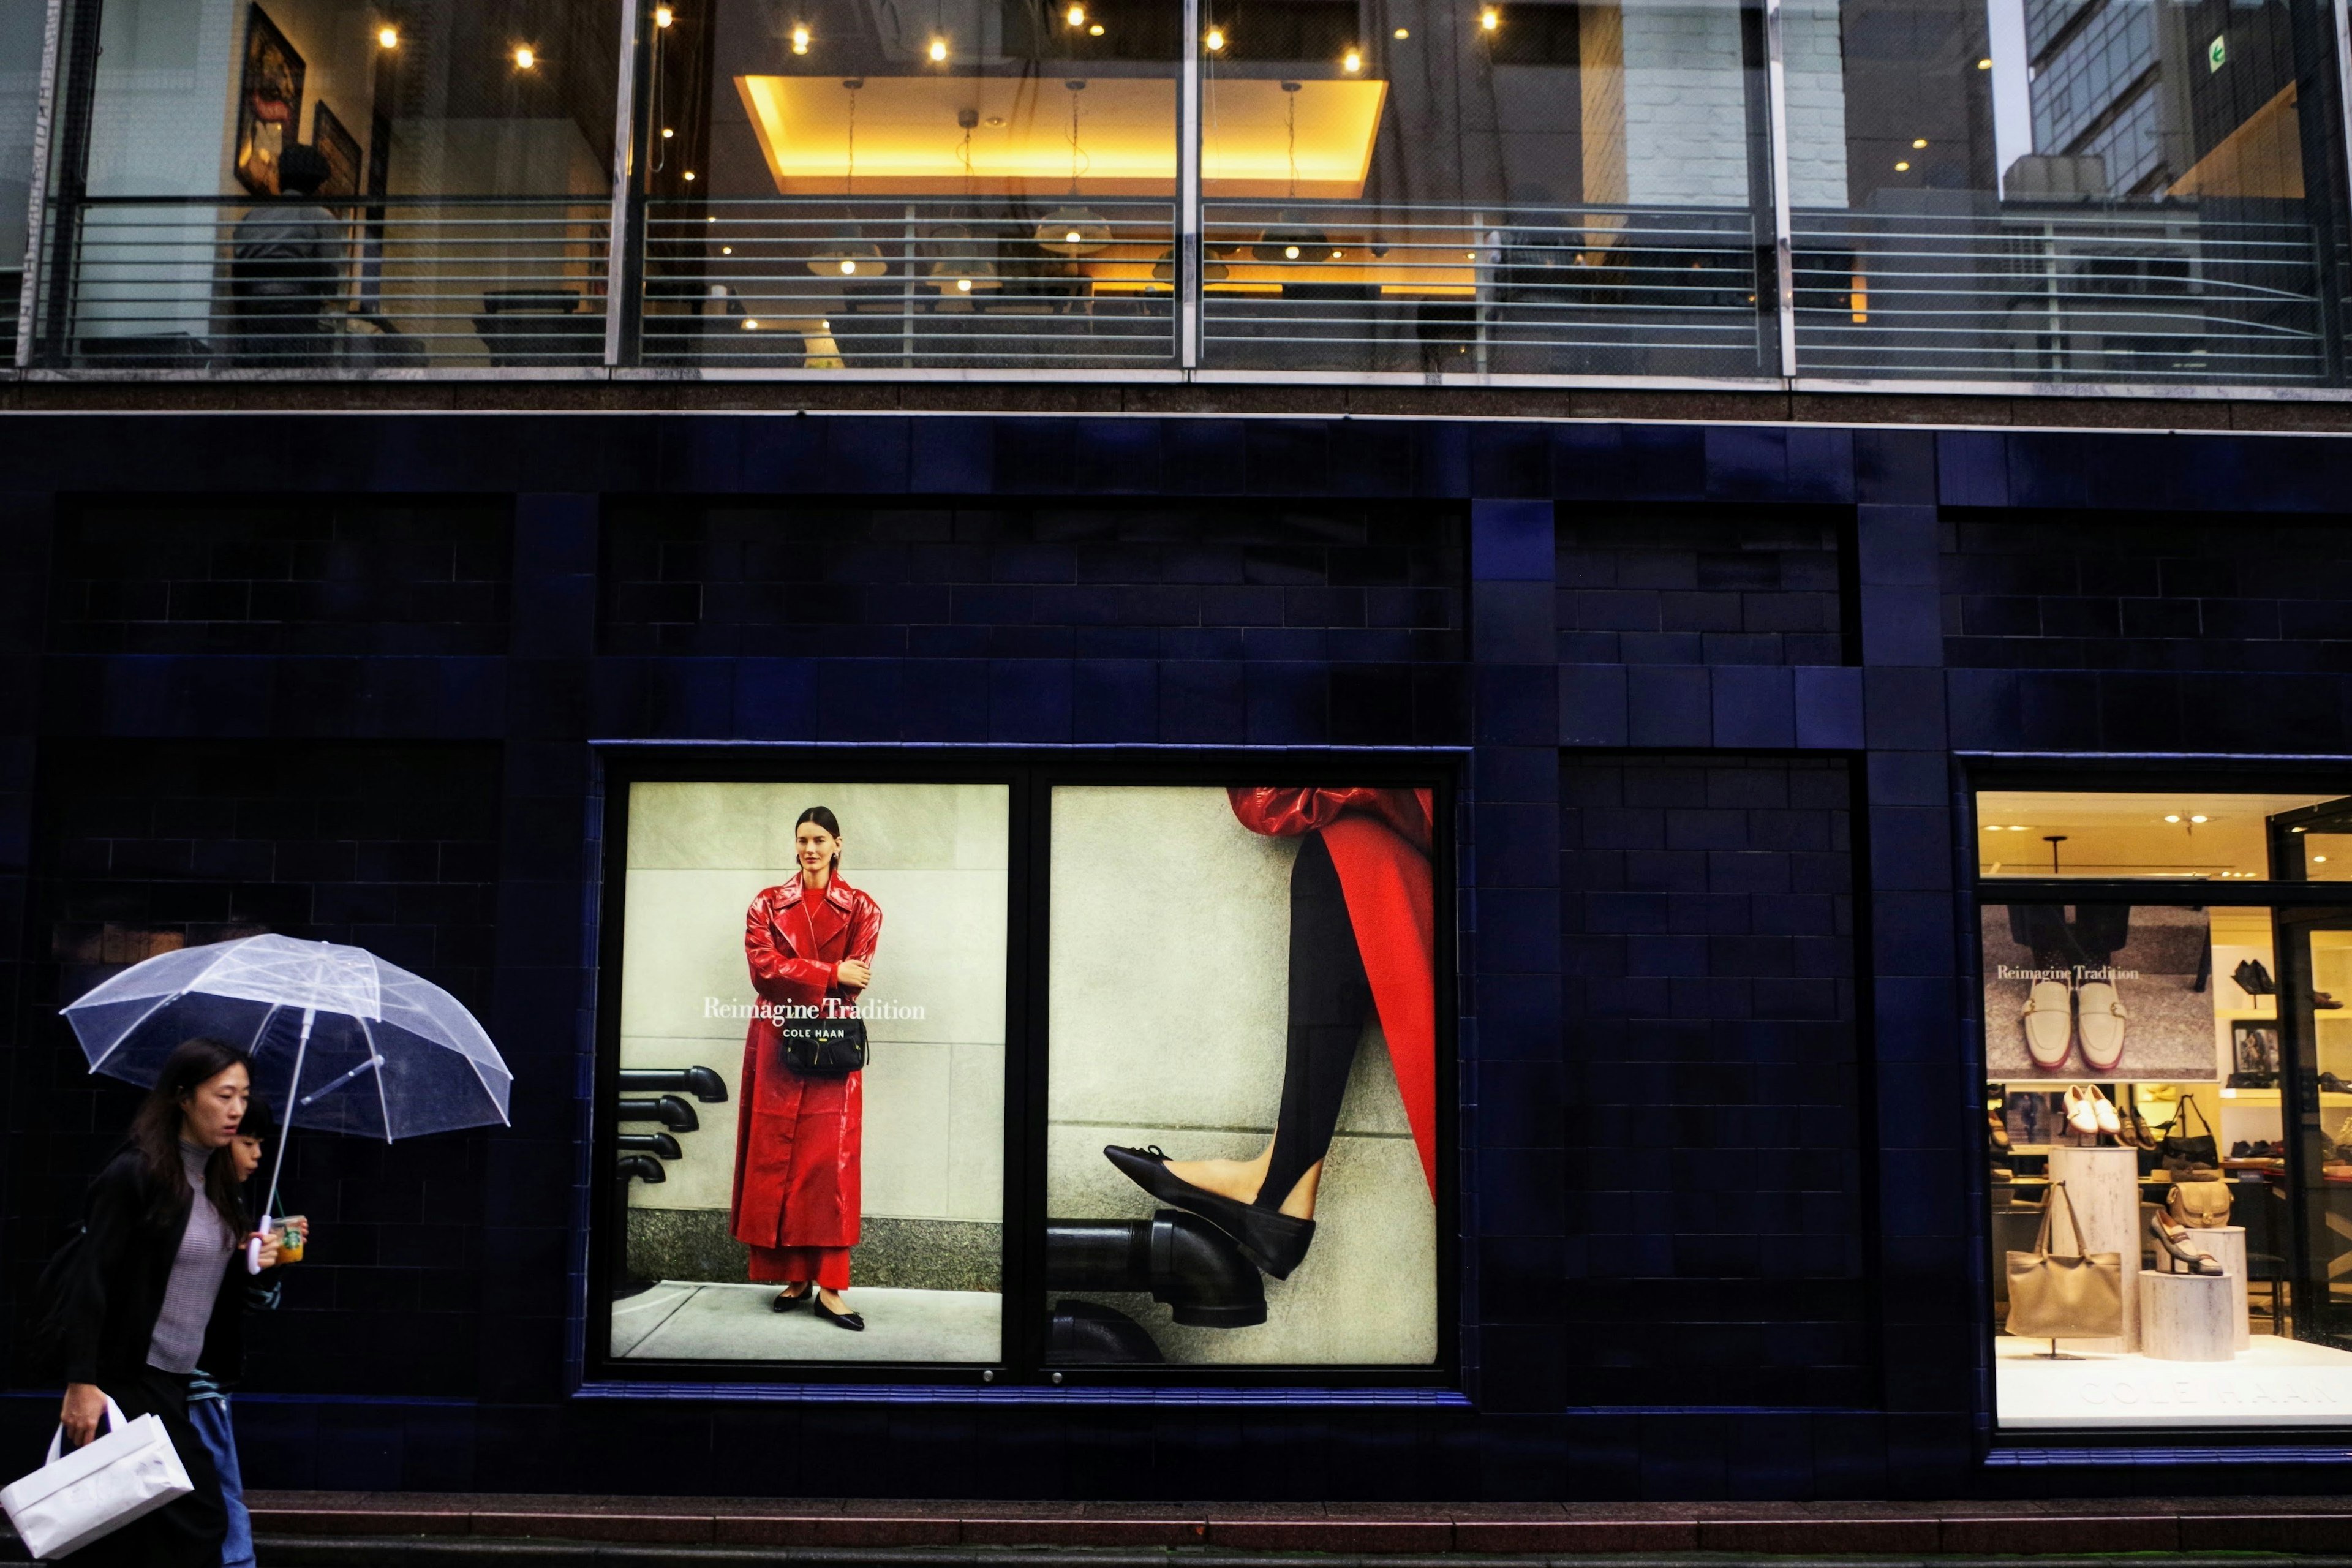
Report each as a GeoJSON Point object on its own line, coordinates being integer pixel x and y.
{"type": "Point", "coordinates": [909, 141]}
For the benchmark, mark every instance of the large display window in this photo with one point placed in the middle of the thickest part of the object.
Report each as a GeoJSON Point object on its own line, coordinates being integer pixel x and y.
{"type": "Point", "coordinates": [1018, 1075]}
{"type": "Point", "coordinates": [2166, 990]}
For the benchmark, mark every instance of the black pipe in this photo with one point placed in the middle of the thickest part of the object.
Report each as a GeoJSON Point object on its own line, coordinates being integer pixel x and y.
{"type": "Point", "coordinates": [660, 1144]}
{"type": "Point", "coordinates": [1089, 1331]}
{"type": "Point", "coordinates": [643, 1167]}
{"type": "Point", "coordinates": [1183, 1261]}
{"type": "Point", "coordinates": [703, 1083]}
{"type": "Point", "coordinates": [669, 1110]}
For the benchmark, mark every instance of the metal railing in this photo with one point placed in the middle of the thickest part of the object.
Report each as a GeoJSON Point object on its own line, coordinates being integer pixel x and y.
{"type": "Point", "coordinates": [832, 283]}
{"type": "Point", "coordinates": [403, 283]}
{"type": "Point", "coordinates": [1595, 290]}
{"type": "Point", "coordinates": [2110, 294]}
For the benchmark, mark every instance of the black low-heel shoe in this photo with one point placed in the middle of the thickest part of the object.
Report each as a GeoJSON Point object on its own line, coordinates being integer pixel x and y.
{"type": "Point", "coordinates": [1273, 1241]}
{"type": "Point", "coordinates": [850, 1321]}
{"type": "Point", "coordinates": [789, 1303]}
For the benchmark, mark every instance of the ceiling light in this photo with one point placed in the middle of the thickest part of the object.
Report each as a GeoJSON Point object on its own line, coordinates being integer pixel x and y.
{"type": "Point", "coordinates": [751, 324]}
{"type": "Point", "coordinates": [939, 50]}
{"type": "Point", "coordinates": [1291, 237]}
{"type": "Point", "coordinates": [667, 134]}
{"type": "Point", "coordinates": [1075, 17]}
{"type": "Point", "coordinates": [800, 39]}
{"type": "Point", "coordinates": [1489, 19]}
{"type": "Point", "coordinates": [1095, 31]}
{"type": "Point", "coordinates": [1918, 143]}
{"type": "Point", "coordinates": [690, 173]}
{"type": "Point", "coordinates": [1353, 60]}
{"type": "Point", "coordinates": [1404, 33]}
{"type": "Point", "coordinates": [1984, 65]}
{"type": "Point", "coordinates": [387, 38]}
{"type": "Point", "coordinates": [1902, 168]}
{"type": "Point", "coordinates": [726, 250]}
{"type": "Point", "coordinates": [525, 57]}
{"type": "Point", "coordinates": [664, 15]}
{"type": "Point", "coordinates": [2197, 819]}
{"type": "Point", "coordinates": [2019, 827]}
{"type": "Point", "coordinates": [2174, 818]}
{"type": "Point", "coordinates": [848, 252]}
{"type": "Point", "coordinates": [2319, 860]}
{"type": "Point", "coordinates": [1215, 40]}
{"type": "Point", "coordinates": [963, 285]}
{"type": "Point", "coordinates": [1073, 231]}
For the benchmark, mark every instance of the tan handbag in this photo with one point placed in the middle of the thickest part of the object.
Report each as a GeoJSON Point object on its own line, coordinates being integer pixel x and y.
{"type": "Point", "coordinates": [2200, 1205]}
{"type": "Point", "coordinates": [2054, 1296]}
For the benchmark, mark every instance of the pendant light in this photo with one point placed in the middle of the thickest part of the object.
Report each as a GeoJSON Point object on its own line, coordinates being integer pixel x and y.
{"type": "Point", "coordinates": [1072, 229]}
{"type": "Point", "coordinates": [1292, 237]}
{"type": "Point", "coordinates": [958, 270]}
{"type": "Point", "coordinates": [847, 253]}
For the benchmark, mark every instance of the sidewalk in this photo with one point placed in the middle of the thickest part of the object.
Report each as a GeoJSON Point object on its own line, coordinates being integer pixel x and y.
{"type": "Point", "coordinates": [2321, 1525]}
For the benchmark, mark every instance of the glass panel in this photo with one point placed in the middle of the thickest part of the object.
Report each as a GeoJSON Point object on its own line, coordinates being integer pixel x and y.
{"type": "Point", "coordinates": [2128, 833]}
{"type": "Point", "coordinates": [328, 185]}
{"type": "Point", "coordinates": [1521, 187]}
{"type": "Point", "coordinates": [2135, 1054]}
{"type": "Point", "coordinates": [22, 25]}
{"type": "Point", "coordinates": [1246, 980]}
{"type": "Point", "coordinates": [956, 185]}
{"type": "Point", "coordinates": [2316, 982]}
{"type": "Point", "coordinates": [2073, 191]}
{"type": "Point", "coordinates": [745, 1172]}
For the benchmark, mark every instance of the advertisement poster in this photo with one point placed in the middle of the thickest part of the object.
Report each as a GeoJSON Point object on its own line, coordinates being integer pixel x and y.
{"type": "Point", "coordinates": [817, 1214]}
{"type": "Point", "coordinates": [1241, 1094]}
{"type": "Point", "coordinates": [2118, 993]}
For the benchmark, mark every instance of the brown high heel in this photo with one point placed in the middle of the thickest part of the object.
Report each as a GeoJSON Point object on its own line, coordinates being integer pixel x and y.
{"type": "Point", "coordinates": [2174, 1240]}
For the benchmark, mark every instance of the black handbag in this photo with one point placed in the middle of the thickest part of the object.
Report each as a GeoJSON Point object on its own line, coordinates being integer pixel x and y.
{"type": "Point", "coordinates": [2182, 1152]}
{"type": "Point", "coordinates": [830, 1044]}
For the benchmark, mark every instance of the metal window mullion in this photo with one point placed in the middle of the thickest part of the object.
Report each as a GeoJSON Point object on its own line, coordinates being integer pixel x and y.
{"type": "Point", "coordinates": [1189, 257]}
{"type": "Point", "coordinates": [2342, 10]}
{"type": "Point", "coordinates": [1784, 244]}
{"type": "Point", "coordinates": [621, 270]}
{"type": "Point", "coordinates": [37, 189]}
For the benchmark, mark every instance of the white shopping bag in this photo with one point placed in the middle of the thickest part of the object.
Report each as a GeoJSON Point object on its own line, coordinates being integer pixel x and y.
{"type": "Point", "coordinates": [127, 1474]}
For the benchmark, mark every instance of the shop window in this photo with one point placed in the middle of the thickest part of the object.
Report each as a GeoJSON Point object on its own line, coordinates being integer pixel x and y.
{"type": "Point", "coordinates": [2169, 1072]}
{"type": "Point", "coordinates": [1154, 1077]}
{"type": "Point", "coordinates": [305, 185]}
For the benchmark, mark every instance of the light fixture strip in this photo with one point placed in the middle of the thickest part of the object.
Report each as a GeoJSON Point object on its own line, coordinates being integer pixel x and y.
{"type": "Point", "coordinates": [1189, 257]}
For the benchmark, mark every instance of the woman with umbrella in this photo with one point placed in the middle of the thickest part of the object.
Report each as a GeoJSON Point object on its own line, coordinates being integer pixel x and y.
{"type": "Point", "coordinates": [155, 1286]}
{"type": "Point", "coordinates": [798, 1138]}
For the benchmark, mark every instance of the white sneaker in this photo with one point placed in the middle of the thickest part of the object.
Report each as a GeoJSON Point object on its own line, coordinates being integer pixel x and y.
{"type": "Point", "coordinates": [2100, 1020]}
{"type": "Point", "coordinates": [2049, 1019]}
{"type": "Point", "coordinates": [2081, 1114]}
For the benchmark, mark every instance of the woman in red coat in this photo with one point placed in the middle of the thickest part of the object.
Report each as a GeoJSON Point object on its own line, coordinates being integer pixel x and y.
{"type": "Point", "coordinates": [1363, 939]}
{"type": "Point", "coordinates": [797, 1138]}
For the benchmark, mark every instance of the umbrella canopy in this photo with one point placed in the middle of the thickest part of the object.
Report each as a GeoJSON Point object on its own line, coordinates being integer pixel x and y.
{"type": "Point", "coordinates": [340, 1040]}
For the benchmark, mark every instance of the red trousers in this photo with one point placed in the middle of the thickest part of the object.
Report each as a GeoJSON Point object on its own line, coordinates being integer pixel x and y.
{"type": "Point", "coordinates": [827, 1266]}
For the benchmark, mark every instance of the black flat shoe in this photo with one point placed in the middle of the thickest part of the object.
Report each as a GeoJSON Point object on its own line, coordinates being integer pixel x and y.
{"type": "Point", "coordinates": [850, 1321]}
{"type": "Point", "coordinates": [1273, 1241]}
{"type": "Point", "coordinates": [786, 1303]}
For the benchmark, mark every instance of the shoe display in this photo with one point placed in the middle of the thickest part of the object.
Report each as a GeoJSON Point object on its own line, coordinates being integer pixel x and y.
{"type": "Point", "coordinates": [2254, 979]}
{"type": "Point", "coordinates": [786, 1302]}
{"type": "Point", "coordinates": [2323, 1002]}
{"type": "Point", "coordinates": [1996, 1134]}
{"type": "Point", "coordinates": [2082, 1115]}
{"type": "Point", "coordinates": [2172, 1240]}
{"type": "Point", "coordinates": [2099, 1024]}
{"type": "Point", "coordinates": [2136, 1133]}
{"type": "Point", "coordinates": [2049, 1019]}
{"type": "Point", "coordinates": [1273, 1240]}
{"type": "Point", "coordinates": [2103, 1111]}
{"type": "Point", "coordinates": [2251, 1080]}
{"type": "Point", "coordinates": [2330, 1084]}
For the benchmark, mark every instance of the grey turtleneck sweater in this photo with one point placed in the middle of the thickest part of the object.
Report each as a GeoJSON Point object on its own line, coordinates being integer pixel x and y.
{"type": "Point", "coordinates": [197, 1272]}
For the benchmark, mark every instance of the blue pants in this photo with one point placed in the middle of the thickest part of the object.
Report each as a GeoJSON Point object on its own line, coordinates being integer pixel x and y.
{"type": "Point", "coordinates": [210, 1418]}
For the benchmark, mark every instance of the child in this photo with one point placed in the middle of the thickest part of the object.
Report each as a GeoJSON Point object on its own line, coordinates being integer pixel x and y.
{"type": "Point", "coordinates": [208, 1401]}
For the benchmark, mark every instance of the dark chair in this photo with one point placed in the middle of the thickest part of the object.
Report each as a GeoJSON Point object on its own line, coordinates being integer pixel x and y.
{"type": "Point", "coordinates": [538, 328]}
{"type": "Point", "coordinates": [2262, 1209]}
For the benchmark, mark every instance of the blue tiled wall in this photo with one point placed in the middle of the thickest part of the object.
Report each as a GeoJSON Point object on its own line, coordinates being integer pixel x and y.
{"type": "Point", "coordinates": [1717, 1115]}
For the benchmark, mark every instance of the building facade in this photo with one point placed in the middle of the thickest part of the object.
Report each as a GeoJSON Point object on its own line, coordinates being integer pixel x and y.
{"type": "Point", "coordinates": [1483, 624]}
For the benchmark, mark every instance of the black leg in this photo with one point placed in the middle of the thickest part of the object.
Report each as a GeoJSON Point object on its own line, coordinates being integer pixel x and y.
{"type": "Point", "coordinates": [1330, 996]}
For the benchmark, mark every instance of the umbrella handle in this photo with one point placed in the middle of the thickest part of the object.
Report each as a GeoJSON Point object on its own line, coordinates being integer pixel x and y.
{"type": "Point", "coordinates": [285, 1130]}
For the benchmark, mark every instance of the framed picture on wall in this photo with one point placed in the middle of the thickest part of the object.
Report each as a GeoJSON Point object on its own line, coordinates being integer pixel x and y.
{"type": "Point", "coordinates": [270, 103]}
{"type": "Point", "coordinates": [2253, 1045]}
{"type": "Point", "coordinates": [341, 149]}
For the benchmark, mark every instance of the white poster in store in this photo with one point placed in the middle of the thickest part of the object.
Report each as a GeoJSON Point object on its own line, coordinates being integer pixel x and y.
{"type": "Point", "coordinates": [2111, 992]}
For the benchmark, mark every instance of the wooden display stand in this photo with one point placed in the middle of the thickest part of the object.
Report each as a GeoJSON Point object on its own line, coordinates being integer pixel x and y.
{"type": "Point", "coordinates": [2227, 1246]}
{"type": "Point", "coordinates": [2186, 1317]}
{"type": "Point", "coordinates": [2103, 1185]}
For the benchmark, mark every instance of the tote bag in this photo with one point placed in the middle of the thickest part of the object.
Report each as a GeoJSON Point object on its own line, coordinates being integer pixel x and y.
{"type": "Point", "coordinates": [97, 1488]}
{"type": "Point", "coordinates": [2054, 1296]}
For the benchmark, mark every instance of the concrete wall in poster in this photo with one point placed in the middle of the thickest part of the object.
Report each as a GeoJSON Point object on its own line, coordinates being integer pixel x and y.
{"type": "Point", "coordinates": [1167, 1010]}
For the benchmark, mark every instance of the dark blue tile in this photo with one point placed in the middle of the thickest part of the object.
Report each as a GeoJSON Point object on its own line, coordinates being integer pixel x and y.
{"type": "Point", "coordinates": [1118, 456]}
{"type": "Point", "coordinates": [1972, 468]}
{"type": "Point", "coordinates": [948, 701]}
{"type": "Point", "coordinates": [1755, 707]}
{"type": "Point", "coordinates": [1114, 701]}
{"type": "Point", "coordinates": [1592, 706]}
{"type": "Point", "coordinates": [952, 456]}
{"type": "Point", "coordinates": [1288, 703]}
{"type": "Point", "coordinates": [1201, 703]}
{"type": "Point", "coordinates": [1511, 623]}
{"type": "Point", "coordinates": [1510, 460]}
{"type": "Point", "coordinates": [1667, 705]}
{"type": "Point", "coordinates": [865, 455]}
{"type": "Point", "coordinates": [1029, 700]}
{"type": "Point", "coordinates": [1205, 456]}
{"type": "Point", "coordinates": [1746, 463]}
{"type": "Point", "coordinates": [1902, 626]}
{"type": "Point", "coordinates": [1518, 704]}
{"type": "Point", "coordinates": [1511, 540]}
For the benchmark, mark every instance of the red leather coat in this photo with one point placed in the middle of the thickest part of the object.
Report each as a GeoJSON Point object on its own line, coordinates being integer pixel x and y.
{"type": "Point", "coordinates": [798, 1139]}
{"type": "Point", "coordinates": [1379, 842]}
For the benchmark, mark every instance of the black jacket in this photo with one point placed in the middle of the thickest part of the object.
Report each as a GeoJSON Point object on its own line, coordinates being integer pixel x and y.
{"type": "Point", "coordinates": [112, 1287]}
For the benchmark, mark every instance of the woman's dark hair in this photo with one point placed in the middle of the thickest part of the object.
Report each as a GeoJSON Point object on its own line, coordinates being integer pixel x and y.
{"type": "Point", "coordinates": [155, 1128]}
{"type": "Point", "coordinates": [824, 819]}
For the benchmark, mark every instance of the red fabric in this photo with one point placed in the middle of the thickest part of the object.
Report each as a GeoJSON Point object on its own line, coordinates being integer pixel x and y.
{"type": "Point", "coordinates": [797, 1140]}
{"type": "Point", "coordinates": [825, 1266]}
{"type": "Point", "coordinates": [1379, 842]}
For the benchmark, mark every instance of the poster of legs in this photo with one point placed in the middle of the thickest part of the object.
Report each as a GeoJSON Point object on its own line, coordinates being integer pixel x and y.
{"type": "Point", "coordinates": [2112, 992]}
{"type": "Point", "coordinates": [1242, 1085]}
{"type": "Point", "coordinates": [810, 1105]}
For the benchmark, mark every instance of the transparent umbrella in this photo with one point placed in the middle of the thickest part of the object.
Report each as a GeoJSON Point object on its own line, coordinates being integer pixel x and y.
{"type": "Point", "coordinates": [340, 1040]}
